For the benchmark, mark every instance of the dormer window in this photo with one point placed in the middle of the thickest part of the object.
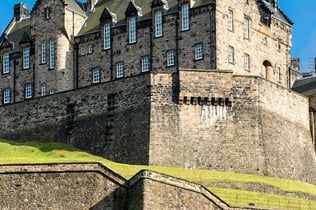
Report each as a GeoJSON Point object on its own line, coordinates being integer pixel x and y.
{"type": "Point", "coordinates": [107, 36]}
{"type": "Point", "coordinates": [185, 17]}
{"type": "Point", "coordinates": [132, 30]}
{"type": "Point", "coordinates": [158, 23]}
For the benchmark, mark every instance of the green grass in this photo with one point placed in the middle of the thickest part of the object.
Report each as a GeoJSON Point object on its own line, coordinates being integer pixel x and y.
{"type": "Point", "coordinates": [34, 152]}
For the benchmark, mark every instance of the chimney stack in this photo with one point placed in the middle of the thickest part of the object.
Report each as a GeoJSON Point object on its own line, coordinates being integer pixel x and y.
{"type": "Point", "coordinates": [20, 11]}
{"type": "Point", "coordinates": [91, 4]}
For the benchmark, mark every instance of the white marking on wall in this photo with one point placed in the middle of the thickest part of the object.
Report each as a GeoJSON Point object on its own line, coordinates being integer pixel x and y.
{"type": "Point", "coordinates": [213, 114]}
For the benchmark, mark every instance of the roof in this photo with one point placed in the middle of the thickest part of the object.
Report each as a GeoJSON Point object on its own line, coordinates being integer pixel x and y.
{"type": "Point", "coordinates": [277, 12]}
{"type": "Point", "coordinates": [19, 29]}
{"type": "Point", "coordinates": [118, 7]}
{"type": "Point", "coordinates": [71, 4]}
{"type": "Point", "coordinates": [305, 86]}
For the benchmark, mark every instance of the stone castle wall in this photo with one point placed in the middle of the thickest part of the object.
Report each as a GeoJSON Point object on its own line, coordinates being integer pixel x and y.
{"type": "Point", "coordinates": [195, 119]}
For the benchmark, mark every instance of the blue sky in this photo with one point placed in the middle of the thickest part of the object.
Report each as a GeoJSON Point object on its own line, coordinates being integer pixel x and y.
{"type": "Point", "coordinates": [302, 13]}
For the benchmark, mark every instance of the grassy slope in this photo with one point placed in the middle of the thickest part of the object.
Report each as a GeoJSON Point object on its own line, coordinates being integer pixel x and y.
{"type": "Point", "coordinates": [34, 152]}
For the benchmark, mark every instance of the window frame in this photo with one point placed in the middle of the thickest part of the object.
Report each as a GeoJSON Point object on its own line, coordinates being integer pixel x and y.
{"type": "Point", "coordinates": [26, 58]}
{"type": "Point", "coordinates": [132, 30]}
{"type": "Point", "coordinates": [230, 20]}
{"type": "Point", "coordinates": [90, 49]}
{"type": "Point", "coordinates": [158, 24]}
{"type": "Point", "coordinates": [246, 62]}
{"type": "Point", "coordinates": [107, 36]}
{"type": "Point", "coordinates": [231, 55]}
{"type": "Point", "coordinates": [246, 27]}
{"type": "Point", "coordinates": [6, 63]}
{"type": "Point", "coordinates": [170, 58]}
{"type": "Point", "coordinates": [28, 91]}
{"type": "Point", "coordinates": [198, 51]}
{"type": "Point", "coordinates": [185, 17]}
{"type": "Point", "coordinates": [43, 89]}
{"type": "Point", "coordinates": [52, 51]}
{"type": "Point", "coordinates": [43, 53]}
{"type": "Point", "coordinates": [7, 96]}
{"type": "Point", "coordinates": [119, 70]}
{"type": "Point", "coordinates": [145, 65]}
{"type": "Point", "coordinates": [96, 75]}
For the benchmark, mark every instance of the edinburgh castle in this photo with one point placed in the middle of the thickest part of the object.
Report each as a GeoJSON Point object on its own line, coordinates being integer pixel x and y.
{"type": "Point", "coordinates": [185, 83]}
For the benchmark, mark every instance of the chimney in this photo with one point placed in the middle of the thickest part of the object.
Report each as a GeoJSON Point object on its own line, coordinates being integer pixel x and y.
{"type": "Point", "coordinates": [20, 11]}
{"type": "Point", "coordinates": [91, 4]}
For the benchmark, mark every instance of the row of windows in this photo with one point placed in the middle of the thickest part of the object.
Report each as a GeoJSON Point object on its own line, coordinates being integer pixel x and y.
{"type": "Point", "coordinates": [132, 29]}
{"type": "Point", "coordinates": [231, 58]}
{"type": "Point", "coordinates": [230, 23]}
{"type": "Point", "coordinates": [26, 57]}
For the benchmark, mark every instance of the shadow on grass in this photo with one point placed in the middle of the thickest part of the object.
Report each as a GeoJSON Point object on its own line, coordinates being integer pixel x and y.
{"type": "Point", "coordinates": [43, 147]}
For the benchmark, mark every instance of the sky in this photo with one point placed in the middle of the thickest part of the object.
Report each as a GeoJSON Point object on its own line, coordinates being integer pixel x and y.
{"type": "Point", "coordinates": [302, 13]}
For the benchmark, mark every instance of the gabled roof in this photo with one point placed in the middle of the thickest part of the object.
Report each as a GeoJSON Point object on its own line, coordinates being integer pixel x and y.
{"type": "Point", "coordinates": [276, 12]}
{"type": "Point", "coordinates": [19, 32]}
{"type": "Point", "coordinates": [119, 7]}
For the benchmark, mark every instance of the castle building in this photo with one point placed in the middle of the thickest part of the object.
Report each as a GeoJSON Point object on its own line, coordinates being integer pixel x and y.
{"type": "Point", "coordinates": [185, 83]}
{"type": "Point", "coordinates": [64, 45]}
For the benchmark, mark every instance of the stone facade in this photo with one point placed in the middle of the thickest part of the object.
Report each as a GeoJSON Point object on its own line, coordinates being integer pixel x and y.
{"type": "Point", "coordinates": [93, 186]}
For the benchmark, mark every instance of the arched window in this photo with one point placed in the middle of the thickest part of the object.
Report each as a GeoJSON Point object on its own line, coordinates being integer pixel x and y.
{"type": "Point", "coordinates": [268, 70]}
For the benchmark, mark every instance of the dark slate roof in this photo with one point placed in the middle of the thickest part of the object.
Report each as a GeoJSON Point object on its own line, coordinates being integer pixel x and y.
{"type": "Point", "coordinates": [305, 86]}
{"type": "Point", "coordinates": [20, 30]}
{"type": "Point", "coordinates": [119, 7]}
{"type": "Point", "coordinates": [277, 12]}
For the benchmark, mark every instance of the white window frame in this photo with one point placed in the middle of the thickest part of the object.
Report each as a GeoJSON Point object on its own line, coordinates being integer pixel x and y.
{"type": "Point", "coordinates": [26, 58]}
{"type": "Point", "coordinates": [185, 17]}
{"type": "Point", "coordinates": [52, 50]}
{"type": "Point", "coordinates": [96, 77]}
{"type": "Point", "coordinates": [158, 24]}
{"type": "Point", "coordinates": [82, 51]}
{"type": "Point", "coordinates": [246, 27]}
{"type": "Point", "coordinates": [198, 51]}
{"type": "Point", "coordinates": [119, 70]}
{"type": "Point", "coordinates": [28, 91]}
{"type": "Point", "coordinates": [43, 53]}
{"type": "Point", "coordinates": [43, 89]}
{"type": "Point", "coordinates": [170, 58]}
{"type": "Point", "coordinates": [230, 19]}
{"type": "Point", "coordinates": [145, 63]}
{"type": "Point", "coordinates": [132, 36]}
{"type": "Point", "coordinates": [90, 49]}
{"type": "Point", "coordinates": [52, 91]}
{"type": "Point", "coordinates": [231, 54]}
{"type": "Point", "coordinates": [246, 62]}
{"type": "Point", "coordinates": [6, 63]}
{"type": "Point", "coordinates": [107, 36]}
{"type": "Point", "coordinates": [6, 96]}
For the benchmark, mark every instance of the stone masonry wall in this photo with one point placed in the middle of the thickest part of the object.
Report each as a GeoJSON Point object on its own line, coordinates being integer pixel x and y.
{"type": "Point", "coordinates": [239, 123]}
{"type": "Point", "coordinates": [110, 119]}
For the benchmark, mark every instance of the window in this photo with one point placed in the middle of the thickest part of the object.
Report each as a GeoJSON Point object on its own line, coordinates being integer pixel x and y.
{"type": "Point", "coordinates": [95, 75]}
{"type": "Point", "coordinates": [81, 51]}
{"type": "Point", "coordinates": [90, 51]}
{"type": "Point", "coordinates": [43, 57]}
{"type": "Point", "coordinates": [52, 91]}
{"type": "Point", "coordinates": [278, 74]}
{"type": "Point", "coordinates": [198, 51]}
{"type": "Point", "coordinates": [47, 13]}
{"type": "Point", "coordinates": [132, 30]}
{"type": "Point", "coordinates": [185, 17]}
{"type": "Point", "coordinates": [6, 63]}
{"type": "Point", "coordinates": [52, 54]}
{"type": "Point", "coordinates": [107, 36]}
{"type": "Point", "coordinates": [158, 24]}
{"type": "Point", "coordinates": [6, 96]}
{"type": "Point", "coordinates": [170, 58]}
{"type": "Point", "coordinates": [278, 44]}
{"type": "Point", "coordinates": [145, 63]}
{"type": "Point", "coordinates": [230, 20]}
{"type": "Point", "coordinates": [246, 62]}
{"type": "Point", "coordinates": [43, 89]}
{"type": "Point", "coordinates": [246, 28]}
{"type": "Point", "coordinates": [26, 58]}
{"type": "Point", "coordinates": [119, 70]}
{"type": "Point", "coordinates": [28, 91]}
{"type": "Point", "coordinates": [230, 54]}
